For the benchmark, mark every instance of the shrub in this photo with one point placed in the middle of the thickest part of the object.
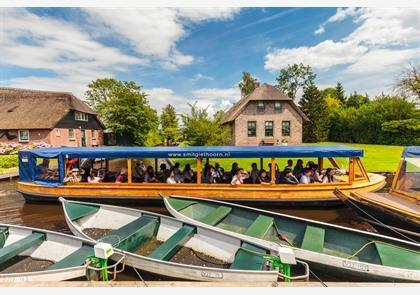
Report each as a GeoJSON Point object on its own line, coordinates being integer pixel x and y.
{"type": "Point", "coordinates": [8, 161]}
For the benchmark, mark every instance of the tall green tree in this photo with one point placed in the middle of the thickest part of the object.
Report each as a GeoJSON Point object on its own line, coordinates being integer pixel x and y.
{"type": "Point", "coordinates": [294, 77]}
{"type": "Point", "coordinates": [247, 85]}
{"type": "Point", "coordinates": [356, 100]}
{"type": "Point", "coordinates": [123, 107]}
{"type": "Point", "coordinates": [339, 91]}
{"type": "Point", "coordinates": [199, 128]}
{"type": "Point", "coordinates": [169, 124]}
{"type": "Point", "coordinates": [315, 108]}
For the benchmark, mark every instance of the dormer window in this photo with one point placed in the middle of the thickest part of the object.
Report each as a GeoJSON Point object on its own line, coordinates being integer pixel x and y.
{"type": "Point", "coordinates": [277, 105]}
{"type": "Point", "coordinates": [260, 106]}
{"type": "Point", "coordinates": [79, 116]}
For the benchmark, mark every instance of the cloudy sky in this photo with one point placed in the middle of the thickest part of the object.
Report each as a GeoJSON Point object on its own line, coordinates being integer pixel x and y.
{"type": "Point", "coordinates": [181, 55]}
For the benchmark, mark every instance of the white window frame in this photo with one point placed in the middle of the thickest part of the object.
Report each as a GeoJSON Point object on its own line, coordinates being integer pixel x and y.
{"type": "Point", "coordinates": [74, 134]}
{"type": "Point", "coordinates": [20, 138]}
{"type": "Point", "coordinates": [79, 116]}
{"type": "Point", "coordinates": [279, 103]}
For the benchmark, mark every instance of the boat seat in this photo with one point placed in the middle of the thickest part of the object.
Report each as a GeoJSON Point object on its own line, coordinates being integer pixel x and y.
{"type": "Point", "coordinates": [216, 215]}
{"type": "Point", "coordinates": [4, 233]}
{"type": "Point", "coordinates": [77, 258]}
{"type": "Point", "coordinates": [20, 246]}
{"type": "Point", "coordinates": [394, 256]}
{"type": "Point", "coordinates": [179, 204]}
{"type": "Point", "coordinates": [313, 239]}
{"type": "Point", "coordinates": [76, 211]}
{"type": "Point", "coordinates": [132, 235]}
{"type": "Point", "coordinates": [260, 226]}
{"type": "Point", "coordinates": [168, 249]}
{"type": "Point", "coordinates": [248, 260]}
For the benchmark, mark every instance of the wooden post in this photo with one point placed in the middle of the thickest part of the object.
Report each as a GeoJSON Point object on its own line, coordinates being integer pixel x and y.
{"type": "Point", "coordinates": [261, 163]}
{"type": "Point", "coordinates": [273, 170]}
{"type": "Point", "coordinates": [334, 163]}
{"type": "Point", "coordinates": [351, 170]}
{"type": "Point", "coordinates": [156, 167]}
{"type": "Point", "coordinates": [129, 172]}
{"type": "Point", "coordinates": [198, 170]}
{"type": "Point", "coordinates": [320, 164]}
{"type": "Point", "coordinates": [397, 173]}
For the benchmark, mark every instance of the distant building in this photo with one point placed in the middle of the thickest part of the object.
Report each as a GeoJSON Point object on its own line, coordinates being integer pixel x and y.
{"type": "Point", "coordinates": [265, 117]}
{"type": "Point", "coordinates": [55, 118]}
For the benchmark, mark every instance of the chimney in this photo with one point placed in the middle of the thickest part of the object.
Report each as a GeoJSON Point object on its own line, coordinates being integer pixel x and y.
{"type": "Point", "coordinates": [256, 84]}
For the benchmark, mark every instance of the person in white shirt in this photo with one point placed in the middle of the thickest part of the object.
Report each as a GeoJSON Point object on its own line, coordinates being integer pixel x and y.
{"type": "Point", "coordinates": [74, 176]}
{"type": "Point", "coordinates": [306, 176]}
{"type": "Point", "coordinates": [239, 177]}
{"type": "Point", "coordinates": [328, 176]}
{"type": "Point", "coordinates": [93, 178]}
{"type": "Point", "coordinates": [171, 178]}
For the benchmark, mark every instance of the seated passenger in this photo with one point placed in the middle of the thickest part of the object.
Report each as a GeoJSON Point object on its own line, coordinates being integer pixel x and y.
{"type": "Point", "coordinates": [289, 164]}
{"type": "Point", "coordinates": [239, 177]}
{"type": "Point", "coordinates": [150, 175]}
{"type": "Point", "coordinates": [277, 176]}
{"type": "Point", "coordinates": [297, 171]}
{"type": "Point", "coordinates": [234, 169]}
{"type": "Point", "coordinates": [306, 176]}
{"type": "Point", "coordinates": [210, 175]}
{"type": "Point", "coordinates": [310, 164]}
{"type": "Point", "coordinates": [139, 171]}
{"type": "Point", "coordinates": [219, 173]}
{"type": "Point", "coordinates": [328, 176]}
{"type": "Point", "coordinates": [177, 173]}
{"type": "Point", "coordinates": [171, 178]}
{"type": "Point", "coordinates": [93, 178]}
{"type": "Point", "coordinates": [187, 174]}
{"type": "Point", "coordinates": [315, 177]}
{"type": "Point", "coordinates": [205, 172]}
{"type": "Point", "coordinates": [122, 177]}
{"type": "Point", "coordinates": [74, 177]}
{"type": "Point", "coordinates": [263, 178]}
{"type": "Point", "coordinates": [254, 173]}
{"type": "Point", "coordinates": [289, 178]}
{"type": "Point", "coordinates": [163, 173]}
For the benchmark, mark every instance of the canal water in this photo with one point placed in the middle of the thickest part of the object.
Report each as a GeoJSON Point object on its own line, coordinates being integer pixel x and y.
{"type": "Point", "coordinates": [14, 210]}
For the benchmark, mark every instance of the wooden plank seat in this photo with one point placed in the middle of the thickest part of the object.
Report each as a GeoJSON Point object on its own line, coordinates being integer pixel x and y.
{"type": "Point", "coordinates": [77, 258]}
{"type": "Point", "coordinates": [132, 235]}
{"type": "Point", "coordinates": [394, 256]}
{"type": "Point", "coordinates": [248, 260]}
{"type": "Point", "coordinates": [179, 204]}
{"type": "Point", "coordinates": [215, 216]}
{"type": "Point", "coordinates": [313, 239]}
{"type": "Point", "coordinates": [20, 246]}
{"type": "Point", "coordinates": [169, 248]}
{"type": "Point", "coordinates": [260, 226]}
{"type": "Point", "coordinates": [77, 211]}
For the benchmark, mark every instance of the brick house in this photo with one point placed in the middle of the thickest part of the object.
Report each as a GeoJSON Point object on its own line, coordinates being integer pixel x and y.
{"type": "Point", "coordinates": [265, 117]}
{"type": "Point", "coordinates": [55, 118]}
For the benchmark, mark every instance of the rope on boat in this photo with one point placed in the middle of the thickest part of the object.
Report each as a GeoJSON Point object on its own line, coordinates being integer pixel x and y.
{"type": "Point", "coordinates": [141, 278]}
{"type": "Point", "coordinates": [380, 242]}
{"type": "Point", "coordinates": [208, 261]}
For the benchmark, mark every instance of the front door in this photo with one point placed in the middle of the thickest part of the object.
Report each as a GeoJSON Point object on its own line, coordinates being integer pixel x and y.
{"type": "Point", "coordinates": [83, 137]}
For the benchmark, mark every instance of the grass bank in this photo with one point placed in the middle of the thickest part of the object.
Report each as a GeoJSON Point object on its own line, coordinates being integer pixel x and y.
{"type": "Point", "coordinates": [8, 163]}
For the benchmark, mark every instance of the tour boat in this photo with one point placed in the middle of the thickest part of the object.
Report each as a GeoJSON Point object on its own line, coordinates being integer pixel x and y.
{"type": "Point", "coordinates": [169, 247]}
{"type": "Point", "coordinates": [42, 173]}
{"type": "Point", "coordinates": [33, 254]}
{"type": "Point", "coordinates": [397, 212]}
{"type": "Point", "coordinates": [331, 249]}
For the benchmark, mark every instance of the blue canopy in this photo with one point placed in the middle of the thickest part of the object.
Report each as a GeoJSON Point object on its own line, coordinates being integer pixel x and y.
{"type": "Point", "coordinates": [411, 152]}
{"type": "Point", "coordinates": [311, 151]}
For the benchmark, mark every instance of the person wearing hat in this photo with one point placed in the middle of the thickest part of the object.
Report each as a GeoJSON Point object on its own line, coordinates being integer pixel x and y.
{"type": "Point", "coordinates": [139, 171]}
{"type": "Point", "coordinates": [74, 176]}
{"type": "Point", "coordinates": [122, 177]}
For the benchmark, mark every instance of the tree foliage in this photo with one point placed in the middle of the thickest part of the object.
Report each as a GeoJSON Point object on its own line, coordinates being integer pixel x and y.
{"type": "Point", "coordinates": [295, 77]}
{"type": "Point", "coordinates": [247, 85]}
{"type": "Point", "coordinates": [199, 128]}
{"type": "Point", "coordinates": [169, 124]}
{"type": "Point", "coordinates": [123, 107]}
{"type": "Point", "coordinates": [315, 108]}
{"type": "Point", "coordinates": [356, 100]}
{"type": "Point", "coordinates": [339, 92]}
{"type": "Point", "coordinates": [408, 83]}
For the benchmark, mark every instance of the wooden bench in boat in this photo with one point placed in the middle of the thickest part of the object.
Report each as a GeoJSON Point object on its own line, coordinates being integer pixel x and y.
{"type": "Point", "coordinates": [260, 226]}
{"type": "Point", "coordinates": [249, 260]}
{"type": "Point", "coordinates": [77, 258]}
{"type": "Point", "coordinates": [180, 204]}
{"type": "Point", "coordinates": [20, 246]}
{"type": "Point", "coordinates": [313, 239]}
{"type": "Point", "coordinates": [169, 248]}
{"type": "Point", "coordinates": [77, 211]}
{"type": "Point", "coordinates": [216, 215]}
{"type": "Point", "coordinates": [132, 235]}
{"type": "Point", "coordinates": [394, 256]}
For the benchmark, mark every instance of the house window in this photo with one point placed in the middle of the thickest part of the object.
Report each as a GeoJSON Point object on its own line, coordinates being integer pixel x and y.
{"type": "Point", "coordinates": [79, 116]}
{"type": "Point", "coordinates": [277, 105]}
{"type": "Point", "coordinates": [23, 135]}
{"type": "Point", "coordinates": [93, 134]}
{"type": "Point", "coordinates": [285, 128]}
{"type": "Point", "coordinates": [71, 134]}
{"type": "Point", "coordinates": [57, 132]}
{"type": "Point", "coordinates": [268, 128]}
{"type": "Point", "coordinates": [260, 106]}
{"type": "Point", "coordinates": [252, 129]}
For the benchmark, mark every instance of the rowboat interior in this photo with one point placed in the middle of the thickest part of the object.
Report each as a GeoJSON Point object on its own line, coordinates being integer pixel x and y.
{"type": "Point", "coordinates": [162, 238]}
{"type": "Point", "coordinates": [316, 237]}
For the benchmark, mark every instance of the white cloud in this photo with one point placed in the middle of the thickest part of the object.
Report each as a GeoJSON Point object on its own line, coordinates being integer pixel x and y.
{"type": "Point", "coordinates": [199, 77]}
{"type": "Point", "coordinates": [341, 14]}
{"type": "Point", "coordinates": [160, 97]}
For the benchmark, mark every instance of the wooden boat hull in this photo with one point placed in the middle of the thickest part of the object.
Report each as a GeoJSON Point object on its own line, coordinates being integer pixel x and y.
{"type": "Point", "coordinates": [337, 266]}
{"type": "Point", "coordinates": [301, 194]}
{"type": "Point", "coordinates": [203, 236]}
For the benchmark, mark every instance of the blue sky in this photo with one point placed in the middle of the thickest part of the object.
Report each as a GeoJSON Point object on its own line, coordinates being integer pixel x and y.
{"type": "Point", "coordinates": [182, 55]}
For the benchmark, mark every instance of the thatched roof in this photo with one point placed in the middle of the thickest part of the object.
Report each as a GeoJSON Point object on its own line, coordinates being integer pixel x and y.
{"type": "Point", "coordinates": [265, 92]}
{"type": "Point", "coordinates": [34, 109]}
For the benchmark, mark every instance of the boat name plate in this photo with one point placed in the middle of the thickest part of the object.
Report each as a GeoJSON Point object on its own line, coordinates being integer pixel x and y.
{"type": "Point", "coordinates": [212, 274]}
{"type": "Point", "coordinates": [355, 265]}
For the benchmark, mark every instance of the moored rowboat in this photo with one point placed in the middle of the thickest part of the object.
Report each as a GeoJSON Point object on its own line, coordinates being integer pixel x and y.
{"type": "Point", "coordinates": [350, 253]}
{"type": "Point", "coordinates": [166, 246]}
{"type": "Point", "coordinates": [31, 254]}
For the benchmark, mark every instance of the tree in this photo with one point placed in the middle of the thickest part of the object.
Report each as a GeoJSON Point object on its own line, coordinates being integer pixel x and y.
{"type": "Point", "coordinates": [408, 83]}
{"type": "Point", "coordinates": [169, 124]}
{"type": "Point", "coordinates": [123, 107]}
{"type": "Point", "coordinates": [247, 85]}
{"type": "Point", "coordinates": [295, 77]}
{"type": "Point", "coordinates": [199, 128]}
{"type": "Point", "coordinates": [315, 108]}
{"type": "Point", "coordinates": [356, 100]}
{"type": "Point", "coordinates": [339, 91]}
